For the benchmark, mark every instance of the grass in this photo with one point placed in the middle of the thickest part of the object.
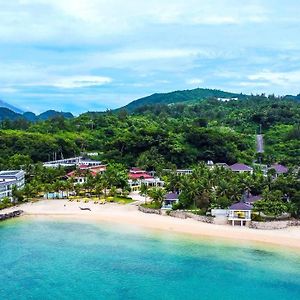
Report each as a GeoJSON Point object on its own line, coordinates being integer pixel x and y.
{"type": "Point", "coordinates": [96, 200]}
{"type": "Point", "coordinates": [120, 200]}
{"type": "Point", "coordinates": [151, 205]}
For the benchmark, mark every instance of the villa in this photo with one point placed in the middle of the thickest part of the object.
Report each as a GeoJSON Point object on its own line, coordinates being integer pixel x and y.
{"type": "Point", "coordinates": [279, 169]}
{"type": "Point", "coordinates": [170, 199]}
{"type": "Point", "coordinates": [80, 175]}
{"type": "Point", "coordinates": [241, 168]}
{"type": "Point", "coordinates": [137, 177]}
{"type": "Point", "coordinates": [180, 171]}
{"type": "Point", "coordinates": [9, 179]}
{"type": "Point", "coordinates": [240, 212]}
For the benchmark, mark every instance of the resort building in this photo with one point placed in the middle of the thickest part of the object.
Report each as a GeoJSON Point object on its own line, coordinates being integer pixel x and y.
{"type": "Point", "coordinates": [239, 213]}
{"type": "Point", "coordinates": [80, 175]}
{"type": "Point", "coordinates": [211, 165]}
{"type": "Point", "coordinates": [170, 199]}
{"type": "Point", "coordinates": [73, 161]}
{"type": "Point", "coordinates": [241, 168]}
{"type": "Point", "coordinates": [137, 177]}
{"type": "Point", "coordinates": [9, 179]}
{"type": "Point", "coordinates": [279, 169]}
{"type": "Point", "coordinates": [184, 171]}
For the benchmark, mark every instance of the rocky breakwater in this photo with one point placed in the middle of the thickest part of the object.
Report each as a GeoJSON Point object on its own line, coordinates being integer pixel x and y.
{"type": "Point", "coordinates": [149, 210]}
{"type": "Point", "coordinates": [185, 215]}
{"type": "Point", "coordinates": [13, 214]}
{"type": "Point", "coordinates": [272, 225]}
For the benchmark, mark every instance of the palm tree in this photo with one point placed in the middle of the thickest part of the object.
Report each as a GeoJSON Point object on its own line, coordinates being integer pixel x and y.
{"type": "Point", "coordinates": [99, 189]}
{"type": "Point", "coordinates": [144, 191]}
{"type": "Point", "coordinates": [157, 195]}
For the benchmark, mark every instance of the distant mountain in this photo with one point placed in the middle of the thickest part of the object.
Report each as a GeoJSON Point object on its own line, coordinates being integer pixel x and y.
{"type": "Point", "coordinates": [8, 114]}
{"type": "Point", "coordinates": [52, 113]}
{"type": "Point", "coordinates": [30, 116]}
{"type": "Point", "coordinates": [181, 96]}
{"type": "Point", "coordinates": [291, 97]}
{"type": "Point", "coordinates": [11, 107]}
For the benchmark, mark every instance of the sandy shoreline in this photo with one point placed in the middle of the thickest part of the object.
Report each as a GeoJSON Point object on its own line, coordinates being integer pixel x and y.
{"type": "Point", "coordinates": [129, 214]}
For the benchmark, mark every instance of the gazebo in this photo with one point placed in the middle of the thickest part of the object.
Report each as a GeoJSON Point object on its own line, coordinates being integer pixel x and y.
{"type": "Point", "coordinates": [169, 200]}
{"type": "Point", "coordinates": [239, 212]}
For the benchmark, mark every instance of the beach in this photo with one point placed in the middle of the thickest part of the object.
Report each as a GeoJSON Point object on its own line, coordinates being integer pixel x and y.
{"type": "Point", "coordinates": [129, 214]}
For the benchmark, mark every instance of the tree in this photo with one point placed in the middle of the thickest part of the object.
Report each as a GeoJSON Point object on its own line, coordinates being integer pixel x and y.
{"type": "Point", "coordinates": [157, 195]}
{"type": "Point", "coordinates": [271, 208]}
{"type": "Point", "coordinates": [17, 195]}
{"type": "Point", "coordinates": [144, 191]}
{"type": "Point", "coordinates": [271, 204]}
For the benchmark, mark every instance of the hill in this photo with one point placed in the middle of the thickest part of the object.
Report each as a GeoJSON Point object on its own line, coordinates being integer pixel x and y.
{"type": "Point", "coordinates": [8, 114]}
{"type": "Point", "coordinates": [52, 113]}
{"type": "Point", "coordinates": [180, 96]}
{"type": "Point", "coordinates": [11, 107]}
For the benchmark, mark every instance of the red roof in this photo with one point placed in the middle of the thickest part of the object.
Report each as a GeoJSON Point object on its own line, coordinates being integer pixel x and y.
{"type": "Point", "coordinates": [135, 170]}
{"type": "Point", "coordinates": [83, 173]}
{"type": "Point", "coordinates": [139, 175]}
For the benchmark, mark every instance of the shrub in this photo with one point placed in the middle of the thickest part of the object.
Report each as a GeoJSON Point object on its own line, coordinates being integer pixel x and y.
{"type": "Point", "coordinates": [257, 218]}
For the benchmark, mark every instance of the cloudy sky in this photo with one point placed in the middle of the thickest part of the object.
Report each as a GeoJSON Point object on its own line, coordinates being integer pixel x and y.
{"type": "Point", "coordinates": [79, 55]}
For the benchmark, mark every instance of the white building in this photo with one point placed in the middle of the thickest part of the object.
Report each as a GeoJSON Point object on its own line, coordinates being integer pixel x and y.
{"type": "Point", "coordinates": [137, 177]}
{"type": "Point", "coordinates": [9, 179]}
{"type": "Point", "coordinates": [73, 161]}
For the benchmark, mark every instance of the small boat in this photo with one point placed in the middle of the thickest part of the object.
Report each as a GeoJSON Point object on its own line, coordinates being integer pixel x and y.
{"type": "Point", "coordinates": [84, 208]}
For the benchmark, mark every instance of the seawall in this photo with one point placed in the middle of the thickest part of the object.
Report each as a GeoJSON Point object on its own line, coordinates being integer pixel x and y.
{"type": "Point", "coordinates": [10, 215]}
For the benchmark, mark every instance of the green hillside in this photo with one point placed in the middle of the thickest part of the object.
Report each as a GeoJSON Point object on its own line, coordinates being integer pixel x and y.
{"type": "Point", "coordinates": [163, 136]}
{"type": "Point", "coordinates": [181, 96]}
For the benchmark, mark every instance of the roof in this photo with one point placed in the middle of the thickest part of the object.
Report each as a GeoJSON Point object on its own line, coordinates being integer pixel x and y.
{"type": "Point", "coordinates": [224, 165]}
{"type": "Point", "coordinates": [140, 175]}
{"type": "Point", "coordinates": [171, 196]}
{"type": "Point", "coordinates": [82, 173]}
{"type": "Point", "coordinates": [280, 169]}
{"type": "Point", "coordinates": [136, 170]}
{"type": "Point", "coordinates": [93, 168]}
{"type": "Point", "coordinates": [252, 199]}
{"type": "Point", "coordinates": [240, 167]}
{"type": "Point", "coordinates": [240, 206]}
{"type": "Point", "coordinates": [11, 172]}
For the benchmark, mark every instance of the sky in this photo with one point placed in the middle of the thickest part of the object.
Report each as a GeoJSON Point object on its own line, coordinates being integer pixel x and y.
{"type": "Point", "coordinates": [93, 55]}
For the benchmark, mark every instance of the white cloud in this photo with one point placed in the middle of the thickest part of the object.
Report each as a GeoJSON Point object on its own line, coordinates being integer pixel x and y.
{"type": "Point", "coordinates": [79, 82]}
{"type": "Point", "coordinates": [280, 83]}
{"type": "Point", "coordinates": [8, 90]}
{"type": "Point", "coordinates": [195, 81]}
{"type": "Point", "coordinates": [276, 78]}
{"type": "Point", "coordinates": [67, 21]}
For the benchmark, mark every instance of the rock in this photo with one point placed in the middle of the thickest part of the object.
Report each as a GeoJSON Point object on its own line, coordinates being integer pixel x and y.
{"type": "Point", "coordinates": [149, 210]}
{"type": "Point", "coordinates": [13, 214]}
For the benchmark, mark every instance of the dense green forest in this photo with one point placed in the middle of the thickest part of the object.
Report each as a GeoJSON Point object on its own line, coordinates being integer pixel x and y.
{"type": "Point", "coordinates": [181, 96]}
{"type": "Point", "coordinates": [162, 135]}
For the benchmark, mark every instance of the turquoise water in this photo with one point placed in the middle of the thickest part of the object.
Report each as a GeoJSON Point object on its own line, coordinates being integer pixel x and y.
{"type": "Point", "coordinates": [46, 259]}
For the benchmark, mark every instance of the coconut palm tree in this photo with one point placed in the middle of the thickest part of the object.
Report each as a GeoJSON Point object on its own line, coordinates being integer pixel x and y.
{"type": "Point", "coordinates": [144, 191]}
{"type": "Point", "coordinates": [157, 195]}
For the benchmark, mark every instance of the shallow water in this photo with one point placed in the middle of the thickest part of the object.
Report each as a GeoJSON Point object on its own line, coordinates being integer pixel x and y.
{"type": "Point", "coordinates": [51, 259]}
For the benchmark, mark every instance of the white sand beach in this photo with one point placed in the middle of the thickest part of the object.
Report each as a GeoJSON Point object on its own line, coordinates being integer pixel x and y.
{"type": "Point", "coordinates": [129, 214]}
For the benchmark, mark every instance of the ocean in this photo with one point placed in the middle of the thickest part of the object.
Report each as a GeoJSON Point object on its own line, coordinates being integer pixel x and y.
{"type": "Point", "coordinates": [57, 259]}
